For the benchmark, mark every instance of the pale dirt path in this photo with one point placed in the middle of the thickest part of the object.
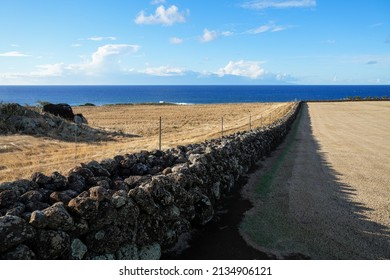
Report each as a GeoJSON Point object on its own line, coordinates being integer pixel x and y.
{"type": "Point", "coordinates": [330, 193]}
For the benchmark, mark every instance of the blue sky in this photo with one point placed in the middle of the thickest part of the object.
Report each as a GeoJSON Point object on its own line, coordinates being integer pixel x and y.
{"type": "Point", "coordinates": [194, 42]}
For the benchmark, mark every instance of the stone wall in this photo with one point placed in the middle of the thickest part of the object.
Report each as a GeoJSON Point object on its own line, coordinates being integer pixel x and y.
{"type": "Point", "coordinates": [132, 206]}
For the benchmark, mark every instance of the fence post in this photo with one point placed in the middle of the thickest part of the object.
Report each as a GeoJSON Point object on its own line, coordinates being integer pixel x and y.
{"type": "Point", "coordinates": [160, 132]}
{"type": "Point", "coordinates": [261, 117]}
{"type": "Point", "coordinates": [222, 127]}
{"type": "Point", "coordinates": [75, 144]}
{"type": "Point", "coordinates": [250, 122]}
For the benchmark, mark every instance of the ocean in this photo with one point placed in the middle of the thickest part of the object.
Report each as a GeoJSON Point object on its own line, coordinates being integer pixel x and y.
{"type": "Point", "coordinates": [101, 95]}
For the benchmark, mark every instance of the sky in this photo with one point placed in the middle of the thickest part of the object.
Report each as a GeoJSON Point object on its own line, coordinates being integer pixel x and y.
{"type": "Point", "coordinates": [193, 42]}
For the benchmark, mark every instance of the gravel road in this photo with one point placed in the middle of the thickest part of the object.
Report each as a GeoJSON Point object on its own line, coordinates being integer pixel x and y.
{"type": "Point", "coordinates": [327, 195]}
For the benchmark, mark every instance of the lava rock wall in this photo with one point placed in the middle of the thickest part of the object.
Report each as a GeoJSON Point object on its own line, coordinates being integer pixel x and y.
{"type": "Point", "coordinates": [132, 206]}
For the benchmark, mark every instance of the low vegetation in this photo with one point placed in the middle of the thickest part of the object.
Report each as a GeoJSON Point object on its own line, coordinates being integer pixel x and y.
{"type": "Point", "coordinates": [131, 128]}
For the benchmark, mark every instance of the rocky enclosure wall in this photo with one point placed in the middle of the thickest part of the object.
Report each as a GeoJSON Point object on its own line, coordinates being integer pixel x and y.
{"type": "Point", "coordinates": [132, 206]}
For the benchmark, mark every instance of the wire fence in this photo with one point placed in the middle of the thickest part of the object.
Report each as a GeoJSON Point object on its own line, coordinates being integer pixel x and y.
{"type": "Point", "coordinates": [55, 155]}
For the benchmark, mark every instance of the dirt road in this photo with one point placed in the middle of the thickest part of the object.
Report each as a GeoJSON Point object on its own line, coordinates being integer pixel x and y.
{"type": "Point", "coordinates": [325, 192]}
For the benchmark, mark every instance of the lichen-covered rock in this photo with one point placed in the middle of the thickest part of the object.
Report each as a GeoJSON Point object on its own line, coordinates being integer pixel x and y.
{"type": "Point", "coordinates": [106, 215]}
{"type": "Point", "coordinates": [135, 181]}
{"type": "Point", "coordinates": [31, 196]}
{"type": "Point", "coordinates": [128, 214]}
{"type": "Point", "coordinates": [144, 200]}
{"type": "Point", "coordinates": [97, 169]}
{"type": "Point", "coordinates": [111, 165]}
{"type": "Point", "coordinates": [139, 169]}
{"type": "Point", "coordinates": [7, 198]}
{"type": "Point", "coordinates": [80, 228]}
{"type": "Point", "coordinates": [108, 240]}
{"type": "Point", "coordinates": [35, 205]}
{"type": "Point", "coordinates": [106, 257]}
{"type": "Point", "coordinates": [14, 231]}
{"type": "Point", "coordinates": [119, 198]}
{"type": "Point", "coordinates": [40, 178]}
{"type": "Point", "coordinates": [16, 209]}
{"type": "Point", "coordinates": [58, 182]}
{"type": "Point", "coordinates": [99, 193]}
{"type": "Point", "coordinates": [84, 207]}
{"type": "Point", "coordinates": [21, 252]}
{"type": "Point", "coordinates": [38, 219]}
{"type": "Point", "coordinates": [63, 197]}
{"type": "Point", "coordinates": [78, 249]}
{"type": "Point", "coordinates": [151, 252]}
{"type": "Point", "coordinates": [128, 252]}
{"type": "Point", "coordinates": [51, 245]}
{"type": "Point", "coordinates": [58, 218]}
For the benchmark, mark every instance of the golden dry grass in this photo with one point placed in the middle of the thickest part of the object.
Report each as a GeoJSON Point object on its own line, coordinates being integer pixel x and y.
{"type": "Point", "coordinates": [21, 155]}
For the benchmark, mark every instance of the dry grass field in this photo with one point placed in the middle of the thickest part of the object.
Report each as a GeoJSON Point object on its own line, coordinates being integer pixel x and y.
{"type": "Point", "coordinates": [21, 155]}
{"type": "Point", "coordinates": [327, 193]}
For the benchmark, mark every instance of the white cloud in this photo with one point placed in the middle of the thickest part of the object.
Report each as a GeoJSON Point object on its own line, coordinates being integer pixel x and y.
{"type": "Point", "coordinates": [249, 69]}
{"type": "Point", "coordinates": [164, 71]}
{"type": "Point", "coordinates": [49, 70]}
{"type": "Point", "coordinates": [110, 38]}
{"type": "Point", "coordinates": [209, 35]}
{"type": "Point", "coordinates": [76, 45]}
{"type": "Point", "coordinates": [13, 54]}
{"type": "Point", "coordinates": [15, 46]}
{"type": "Point", "coordinates": [106, 58]}
{"type": "Point", "coordinates": [175, 40]}
{"type": "Point", "coordinates": [279, 4]}
{"type": "Point", "coordinates": [270, 27]}
{"type": "Point", "coordinates": [162, 16]}
{"type": "Point", "coordinates": [157, 2]}
{"type": "Point", "coordinates": [227, 33]}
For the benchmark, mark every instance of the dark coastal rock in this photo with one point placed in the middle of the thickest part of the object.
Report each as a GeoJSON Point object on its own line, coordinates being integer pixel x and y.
{"type": "Point", "coordinates": [120, 185]}
{"type": "Point", "coordinates": [51, 245]}
{"type": "Point", "coordinates": [78, 249]}
{"type": "Point", "coordinates": [21, 252]}
{"type": "Point", "coordinates": [35, 205]}
{"type": "Point", "coordinates": [150, 252]}
{"type": "Point", "coordinates": [80, 227]}
{"type": "Point", "coordinates": [40, 178]}
{"type": "Point", "coordinates": [58, 182]}
{"type": "Point", "coordinates": [64, 196]}
{"type": "Point", "coordinates": [150, 229]}
{"type": "Point", "coordinates": [128, 214]}
{"type": "Point", "coordinates": [111, 165]}
{"type": "Point", "coordinates": [144, 200]}
{"type": "Point", "coordinates": [38, 219]}
{"type": "Point", "coordinates": [84, 207]}
{"type": "Point", "coordinates": [139, 169]}
{"type": "Point", "coordinates": [119, 198]}
{"type": "Point", "coordinates": [127, 252]}
{"type": "Point", "coordinates": [31, 196]}
{"type": "Point", "coordinates": [14, 231]}
{"type": "Point", "coordinates": [102, 241]}
{"type": "Point", "coordinates": [99, 193]}
{"type": "Point", "coordinates": [135, 181]}
{"type": "Point", "coordinates": [106, 215]}
{"type": "Point", "coordinates": [7, 198]}
{"type": "Point", "coordinates": [16, 209]}
{"type": "Point", "coordinates": [97, 169]}
{"type": "Point", "coordinates": [58, 218]}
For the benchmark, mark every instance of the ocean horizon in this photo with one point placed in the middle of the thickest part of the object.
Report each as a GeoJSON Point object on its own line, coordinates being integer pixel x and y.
{"type": "Point", "coordinates": [105, 95]}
